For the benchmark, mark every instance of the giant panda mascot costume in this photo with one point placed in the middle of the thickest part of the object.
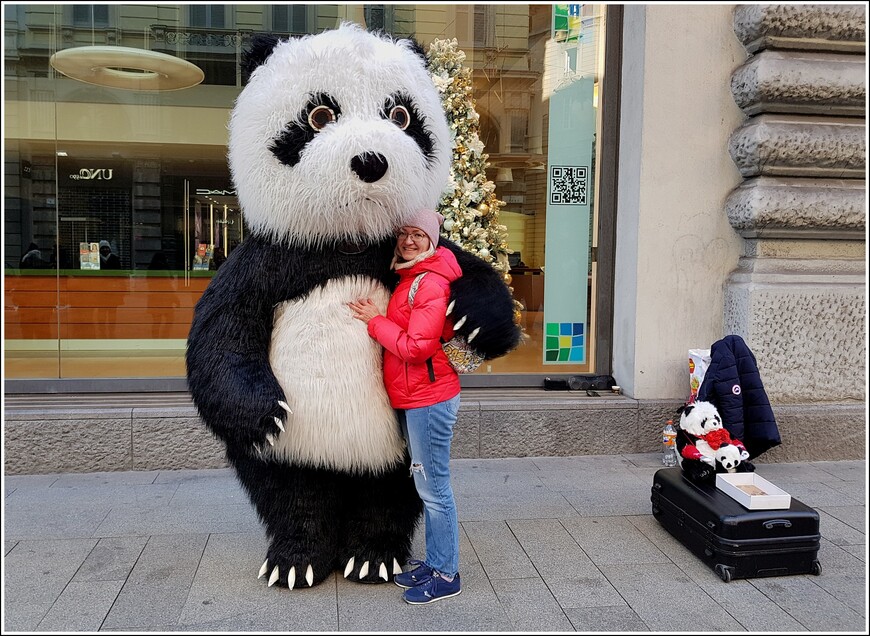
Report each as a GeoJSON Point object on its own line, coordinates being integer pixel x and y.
{"type": "Point", "coordinates": [334, 138]}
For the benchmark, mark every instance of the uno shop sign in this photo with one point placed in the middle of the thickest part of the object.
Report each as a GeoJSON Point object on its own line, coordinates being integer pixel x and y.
{"type": "Point", "coordinates": [94, 173]}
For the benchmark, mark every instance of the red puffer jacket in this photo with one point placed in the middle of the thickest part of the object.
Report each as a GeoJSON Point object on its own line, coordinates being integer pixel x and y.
{"type": "Point", "coordinates": [412, 335]}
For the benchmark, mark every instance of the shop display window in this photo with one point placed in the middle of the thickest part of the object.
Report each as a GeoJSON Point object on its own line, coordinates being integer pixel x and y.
{"type": "Point", "coordinates": [119, 206]}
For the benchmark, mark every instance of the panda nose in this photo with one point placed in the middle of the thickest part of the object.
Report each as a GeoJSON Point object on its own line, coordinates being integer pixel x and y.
{"type": "Point", "coordinates": [369, 166]}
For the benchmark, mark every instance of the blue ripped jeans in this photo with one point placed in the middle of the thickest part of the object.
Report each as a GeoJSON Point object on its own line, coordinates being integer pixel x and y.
{"type": "Point", "coordinates": [429, 430]}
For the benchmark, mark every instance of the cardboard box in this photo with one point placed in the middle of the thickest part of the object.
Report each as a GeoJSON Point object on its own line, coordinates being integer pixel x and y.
{"type": "Point", "coordinates": [752, 491]}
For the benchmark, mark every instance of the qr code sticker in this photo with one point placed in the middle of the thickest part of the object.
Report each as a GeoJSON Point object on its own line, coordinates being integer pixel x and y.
{"type": "Point", "coordinates": [568, 185]}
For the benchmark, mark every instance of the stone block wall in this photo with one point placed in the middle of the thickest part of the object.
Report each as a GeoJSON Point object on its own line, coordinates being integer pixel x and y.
{"type": "Point", "coordinates": [798, 295]}
{"type": "Point", "coordinates": [529, 424]}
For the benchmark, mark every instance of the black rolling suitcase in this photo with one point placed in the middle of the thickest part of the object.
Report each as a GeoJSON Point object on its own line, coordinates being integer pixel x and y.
{"type": "Point", "coordinates": [736, 542]}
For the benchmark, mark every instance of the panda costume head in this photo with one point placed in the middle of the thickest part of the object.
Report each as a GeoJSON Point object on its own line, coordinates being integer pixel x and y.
{"type": "Point", "coordinates": [337, 137]}
{"type": "Point", "coordinates": [700, 418]}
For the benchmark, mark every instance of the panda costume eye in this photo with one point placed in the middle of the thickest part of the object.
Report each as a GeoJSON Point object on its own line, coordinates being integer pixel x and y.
{"type": "Point", "coordinates": [400, 116]}
{"type": "Point", "coordinates": [321, 110]}
{"type": "Point", "coordinates": [320, 116]}
{"type": "Point", "coordinates": [399, 108]}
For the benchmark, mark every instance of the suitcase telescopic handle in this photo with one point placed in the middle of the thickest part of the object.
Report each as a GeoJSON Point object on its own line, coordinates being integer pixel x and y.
{"type": "Point", "coordinates": [770, 525]}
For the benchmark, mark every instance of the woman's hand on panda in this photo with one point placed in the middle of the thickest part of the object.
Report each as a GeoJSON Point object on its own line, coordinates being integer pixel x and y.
{"type": "Point", "coordinates": [364, 310]}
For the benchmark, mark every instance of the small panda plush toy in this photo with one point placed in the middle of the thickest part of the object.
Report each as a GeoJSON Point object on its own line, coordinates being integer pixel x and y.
{"type": "Point", "coordinates": [335, 139]}
{"type": "Point", "coordinates": [728, 457]}
{"type": "Point", "coordinates": [705, 447]}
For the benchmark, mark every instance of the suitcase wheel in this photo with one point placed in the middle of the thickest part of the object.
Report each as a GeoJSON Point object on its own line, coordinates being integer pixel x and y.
{"type": "Point", "coordinates": [817, 568]}
{"type": "Point", "coordinates": [723, 571]}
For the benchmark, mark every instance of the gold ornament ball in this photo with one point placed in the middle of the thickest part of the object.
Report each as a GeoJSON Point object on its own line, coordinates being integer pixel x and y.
{"type": "Point", "coordinates": [508, 279]}
{"type": "Point", "coordinates": [518, 317]}
{"type": "Point", "coordinates": [483, 208]}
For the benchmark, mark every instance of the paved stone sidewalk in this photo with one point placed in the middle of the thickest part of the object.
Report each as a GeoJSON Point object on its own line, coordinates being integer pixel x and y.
{"type": "Point", "coordinates": [547, 544]}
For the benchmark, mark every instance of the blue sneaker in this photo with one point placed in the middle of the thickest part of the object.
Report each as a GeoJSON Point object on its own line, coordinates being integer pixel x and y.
{"type": "Point", "coordinates": [415, 577]}
{"type": "Point", "coordinates": [433, 590]}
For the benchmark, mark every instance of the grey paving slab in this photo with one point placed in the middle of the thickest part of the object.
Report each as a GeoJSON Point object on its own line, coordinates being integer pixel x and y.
{"type": "Point", "coordinates": [849, 470]}
{"type": "Point", "coordinates": [30, 519]}
{"type": "Point", "coordinates": [644, 586]}
{"type": "Point", "coordinates": [380, 608]}
{"type": "Point", "coordinates": [788, 474]}
{"type": "Point", "coordinates": [112, 559]}
{"type": "Point", "coordinates": [580, 478]}
{"type": "Point", "coordinates": [602, 464]}
{"type": "Point", "coordinates": [569, 573]}
{"type": "Point", "coordinates": [613, 540]}
{"type": "Point", "coordinates": [816, 493]}
{"type": "Point", "coordinates": [854, 489]}
{"type": "Point", "coordinates": [619, 618]}
{"type": "Point", "coordinates": [499, 551]}
{"type": "Point", "coordinates": [82, 607]}
{"type": "Point", "coordinates": [838, 532]}
{"type": "Point", "coordinates": [858, 551]}
{"type": "Point", "coordinates": [498, 465]}
{"type": "Point", "coordinates": [36, 572]}
{"type": "Point", "coordinates": [8, 545]}
{"type": "Point", "coordinates": [123, 478]}
{"type": "Point", "coordinates": [14, 482]}
{"type": "Point", "coordinates": [644, 460]}
{"type": "Point", "coordinates": [530, 606]}
{"type": "Point", "coordinates": [199, 474]}
{"type": "Point", "coordinates": [226, 595]}
{"type": "Point", "coordinates": [467, 555]}
{"type": "Point", "coordinates": [599, 500]}
{"type": "Point", "coordinates": [811, 605]}
{"type": "Point", "coordinates": [848, 588]}
{"type": "Point", "coordinates": [105, 494]}
{"type": "Point", "coordinates": [496, 483]}
{"type": "Point", "coordinates": [196, 492]}
{"type": "Point", "coordinates": [522, 505]}
{"type": "Point", "coordinates": [843, 576]}
{"type": "Point", "coordinates": [157, 588]}
{"type": "Point", "coordinates": [835, 558]}
{"type": "Point", "coordinates": [763, 616]}
{"type": "Point", "coordinates": [853, 516]}
{"type": "Point", "coordinates": [645, 473]}
{"type": "Point", "coordinates": [129, 521]}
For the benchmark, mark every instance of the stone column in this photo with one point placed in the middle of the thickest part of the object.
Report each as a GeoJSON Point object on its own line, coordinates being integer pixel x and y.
{"type": "Point", "coordinates": [798, 294]}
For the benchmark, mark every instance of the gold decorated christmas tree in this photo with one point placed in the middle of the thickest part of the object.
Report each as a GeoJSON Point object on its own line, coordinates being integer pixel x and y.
{"type": "Point", "coordinates": [470, 206]}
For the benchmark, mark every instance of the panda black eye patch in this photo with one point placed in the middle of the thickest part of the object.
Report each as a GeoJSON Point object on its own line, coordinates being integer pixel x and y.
{"type": "Point", "coordinates": [400, 109]}
{"type": "Point", "coordinates": [320, 111]}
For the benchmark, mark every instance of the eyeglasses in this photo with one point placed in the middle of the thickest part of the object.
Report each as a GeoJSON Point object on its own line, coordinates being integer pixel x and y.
{"type": "Point", "coordinates": [417, 237]}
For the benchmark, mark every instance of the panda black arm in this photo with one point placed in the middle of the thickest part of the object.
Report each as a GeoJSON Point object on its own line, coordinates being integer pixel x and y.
{"type": "Point", "coordinates": [484, 299]}
{"type": "Point", "coordinates": [228, 370]}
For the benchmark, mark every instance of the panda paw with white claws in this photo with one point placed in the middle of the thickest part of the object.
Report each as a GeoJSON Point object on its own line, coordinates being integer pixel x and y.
{"type": "Point", "coordinates": [292, 577]}
{"type": "Point", "coordinates": [273, 426]}
{"type": "Point", "coordinates": [368, 571]}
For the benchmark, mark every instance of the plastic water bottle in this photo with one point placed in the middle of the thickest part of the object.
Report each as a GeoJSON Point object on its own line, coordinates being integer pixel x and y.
{"type": "Point", "coordinates": [669, 444]}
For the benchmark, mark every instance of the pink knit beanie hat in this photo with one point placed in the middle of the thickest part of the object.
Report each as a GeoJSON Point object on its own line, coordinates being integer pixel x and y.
{"type": "Point", "coordinates": [429, 221]}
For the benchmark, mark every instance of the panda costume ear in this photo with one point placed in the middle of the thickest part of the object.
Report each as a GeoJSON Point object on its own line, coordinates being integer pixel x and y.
{"type": "Point", "coordinates": [413, 45]}
{"type": "Point", "coordinates": [258, 50]}
{"type": "Point", "coordinates": [417, 48]}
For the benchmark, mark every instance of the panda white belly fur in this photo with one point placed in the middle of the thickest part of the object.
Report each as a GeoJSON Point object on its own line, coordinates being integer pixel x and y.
{"type": "Point", "coordinates": [331, 372]}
